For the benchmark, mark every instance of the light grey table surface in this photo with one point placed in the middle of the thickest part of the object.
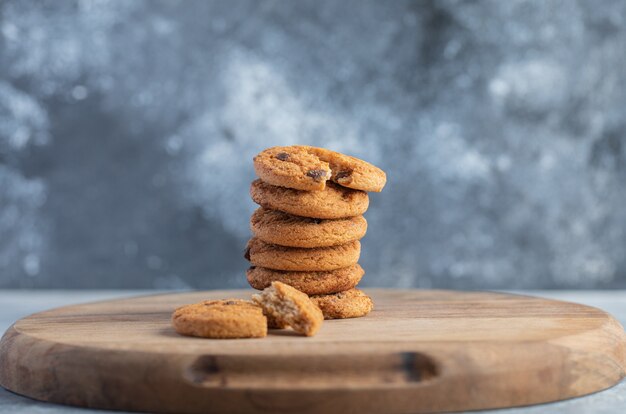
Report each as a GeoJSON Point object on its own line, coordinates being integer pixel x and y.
{"type": "Point", "coordinates": [15, 304]}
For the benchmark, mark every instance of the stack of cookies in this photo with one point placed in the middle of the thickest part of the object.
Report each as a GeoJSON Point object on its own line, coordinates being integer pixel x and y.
{"type": "Point", "coordinates": [306, 242]}
{"type": "Point", "coordinates": [307, 230]}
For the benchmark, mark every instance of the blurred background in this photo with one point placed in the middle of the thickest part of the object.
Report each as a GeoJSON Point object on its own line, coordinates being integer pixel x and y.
{"type": "Point", "coordinates": [127, 131]}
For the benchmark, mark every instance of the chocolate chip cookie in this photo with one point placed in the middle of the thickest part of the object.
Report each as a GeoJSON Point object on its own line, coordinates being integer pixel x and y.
{"type": "Point", "coordinates": [284, 229]}
{"type": "Point", "coordinates": [351, 303]}
{"type": "Point", "coordinates": [221, 319]}
{"type": "Point", "coordinates": [292, 167]}
{"type": "Point", "coordinates": [311, 283]}
{"type": "Point", "coordinates": [332, 203]}
{"type": "Point", "coordinates": [288, 306]}
{"type": "Point", "coordinates": [349, 171]}
{"type": "Point", "coordinates": [308, 168]}
{"type": "Point", "coordinates": [272, 256]}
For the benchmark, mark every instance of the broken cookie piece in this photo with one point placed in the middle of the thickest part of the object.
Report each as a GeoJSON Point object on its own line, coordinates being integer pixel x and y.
{"type": "Point", "coordinates": [288, 306]}
{"type": "Point", "coordinates": [349, 171]}
{"type": "Point", "coordinates": [292, 168]}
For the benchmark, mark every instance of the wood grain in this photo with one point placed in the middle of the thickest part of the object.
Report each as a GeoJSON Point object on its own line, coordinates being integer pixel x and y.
{"type": "Point", "coordinates": [418, 351]}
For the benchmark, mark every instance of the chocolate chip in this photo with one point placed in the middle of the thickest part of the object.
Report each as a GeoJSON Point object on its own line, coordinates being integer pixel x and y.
{"type": "Point", "coordinates": [283, 156]}
{"type": "Point", "coordinates": [246, 254]}
{"type": "Point", "coordinates": [316, 175]}
{"type": "Point", "coordinates": [230, 302]}
{"type": "Point", "coordinates": [343, 174]}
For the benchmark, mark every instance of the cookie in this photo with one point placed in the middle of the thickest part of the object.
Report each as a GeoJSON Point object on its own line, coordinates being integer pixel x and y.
{"type": "Point", "coordinates": [308, 168]}
{"type": "Point", "coordinates": [332, 203]}
{"type": "Point", "coordinates": [228, 318]}
{"type": "Point", "coordinates": [349, 171]}
{"type": "Point", "coordinates": [284, 229]}
{"type": "Point", "coordinates": [291, 307]}
{"type": "Point", "coordinates": [292, 167]}
{"type": "Point", "coordinates": [272, 256]}
{"type": "Point", "coordinates": [311, 283]}
{"type": "Point", "coordinates": [352, 303]}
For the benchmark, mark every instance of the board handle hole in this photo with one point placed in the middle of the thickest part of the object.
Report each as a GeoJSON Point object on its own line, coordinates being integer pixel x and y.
{"type": "Point", "coordinates": [311, 371]}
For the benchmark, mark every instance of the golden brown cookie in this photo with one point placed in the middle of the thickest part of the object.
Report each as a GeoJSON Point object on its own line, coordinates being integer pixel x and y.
{"type": "Point", "coordinates": [273, 256]}
{"type": "Point", "coordinates": [291, 307]}
{"type": "Point", "coordinates": [228, 318]}
{"type": "Point", "coordinates": [332, 203]}
{"type": "Point", "coordinates": [349, 171]}
{"type": "Point", "coordinates": [308, 168]}
{"type": "Point", "coordinates": [284, 229]}
{"type": "Point", "coordinates": [292, 167]}
{"type": "Point", "coordinates": [311, 283]}
{"type": "Point", "coordinates": [352, 303]}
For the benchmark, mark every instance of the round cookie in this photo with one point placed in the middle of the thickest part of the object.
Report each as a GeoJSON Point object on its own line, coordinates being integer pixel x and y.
{"type": "Point", "coordinates": [332, 203]}
{"type": "Point", "coordinates": [223, 319]}
{"type": "Point", "coordinates": [276, 227]}
{"type": "Point", "coordinates": [288, 306]}
{"type": "Point", "coordinates": [311, 283]}
{"type": "Point", "coordinates": [292, 167]}
{"type": "Point", "coordinates": [272, 256]}
{"type": "Point", "coordinates": [352, 303]}
{"type": "Point", "coordinates": [308, 168]}
{"type": "Point", "coordinates": [349, 171]}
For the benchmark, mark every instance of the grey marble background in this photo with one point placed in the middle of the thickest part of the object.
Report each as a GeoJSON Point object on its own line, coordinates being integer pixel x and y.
{"type": "Point", "coordinates": [127, 130]}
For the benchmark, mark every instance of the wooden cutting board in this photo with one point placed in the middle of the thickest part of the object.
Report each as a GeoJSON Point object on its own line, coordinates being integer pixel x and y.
{"type": "Point", "coordinates": [418, 351]}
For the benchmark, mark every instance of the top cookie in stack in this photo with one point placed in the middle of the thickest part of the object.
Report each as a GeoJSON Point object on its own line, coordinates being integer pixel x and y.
{"type": "Point", "coordinates": [307, 230]}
